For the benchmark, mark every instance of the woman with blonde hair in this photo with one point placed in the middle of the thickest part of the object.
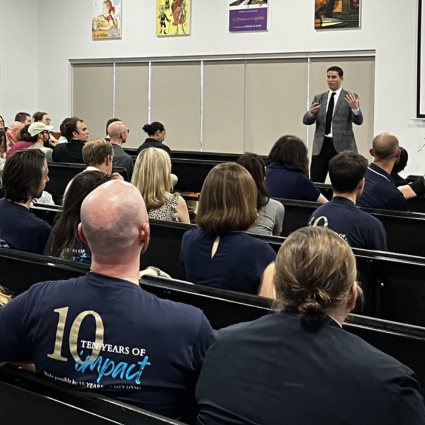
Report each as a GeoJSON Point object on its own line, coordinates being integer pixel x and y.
{"type": "Point", "coordinates": [152, 176]}
{"type": "Point", "coordinates": [220, 253]}
{"type": "Point", "coordinates": [4, 298]}
{"type": "Point", "coordinates": [300, 364]}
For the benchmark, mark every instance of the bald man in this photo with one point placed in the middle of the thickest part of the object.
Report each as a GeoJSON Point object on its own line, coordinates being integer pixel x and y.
{"type": "Point", "coordinates": [102, 332]}
{"type": "Point", "coordinates": [118, 133]}
{"type": "Point", "coordinates": [380, 190]}
{"type": "Point", "coordinates": [13, 133]}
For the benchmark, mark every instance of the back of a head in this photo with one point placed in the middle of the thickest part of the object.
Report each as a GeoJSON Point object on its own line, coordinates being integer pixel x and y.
{"type": "Point", "coordinates": [315, 270]}
{"type": "Point", "coordinates": [38, 116]}
{"type": "Point", "coordinates": [70, 127]}
{"type": "Point", "coordinates": [385, 146]}
{"type": "Point", "coordinates": [111, 217]}
{"type": "Point", "coordinates": [401, 164]}
{"type": "Point", "coordinates": [65, 234]}
{"type": "Point", "coordinates": [63, 124]}
{"type": "Point", "coordinates": [152, 176]}
{"type": "Point", "coordinates": [22, 116]}
{"type": "Point", "coordinates": [23, 174]}
{"type": "Point", "coordinates": [96, 151]}
{"type": "Point", "coordinates": [115, 129]}
{"type": "Point", "coordinates": [26, 136]}
{"type": "Point", "coordinates": [109, 122]}
{"type": "Point", "coordinates": [152, 128]}
{"type": "Point", "coordinates": [256, 167]}
{"type": "Point", "coordinates": [346, 170]}
{"type": "Point", "coordinates": [228, 200]}
{"type": "Point", "coordinates": [291, 152]}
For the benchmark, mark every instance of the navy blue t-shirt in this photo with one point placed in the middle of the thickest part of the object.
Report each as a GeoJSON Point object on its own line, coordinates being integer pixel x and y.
{"type": "Point", "coordinates": [22, 230]}
{"type": "Point", "coordinates": [381, 192]}
{"type": "Point", "coordinates": [237, 265]}
{"type": "Point", "coordinates": [107, 335]}
{"type": "Point", "coordinates": [289, 184]}
{"type": "Point", "coordinates": [355, 226]}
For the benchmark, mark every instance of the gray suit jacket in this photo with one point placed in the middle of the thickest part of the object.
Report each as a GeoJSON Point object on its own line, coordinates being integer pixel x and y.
{"type": "Point", "coordinates": [342, 123]}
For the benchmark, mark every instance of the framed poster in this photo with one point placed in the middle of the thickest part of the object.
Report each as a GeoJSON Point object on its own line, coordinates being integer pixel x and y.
{"type": "Point", "coordinates": [420, 101]}
{"type": "Point", "coordinates": [106, 21]}
{"type": "Point", "coordinates": [248, 15]}
{"type": "Point", "coordinates": [172, 17]}
{"type": "Point", "coordinates": [336, 14]}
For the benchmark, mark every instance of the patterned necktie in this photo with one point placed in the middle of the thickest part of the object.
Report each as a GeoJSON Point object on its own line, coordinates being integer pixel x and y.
{"type": "Point", "coordinates": [330, 113]}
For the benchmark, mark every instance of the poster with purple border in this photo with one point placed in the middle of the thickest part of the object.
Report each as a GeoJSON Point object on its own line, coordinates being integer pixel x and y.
{"type": "Point", "coordinates": [248, 15]}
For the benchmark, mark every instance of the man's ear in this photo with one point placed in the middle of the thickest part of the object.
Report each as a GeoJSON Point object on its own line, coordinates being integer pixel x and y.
{"type": "Point", "coordinates": [81, 234]}
{"type": "Point", "coordinates": [144, 233]}
{"type": "Point", "coordinates": [108, 160]}
{"type": "Point", "coordinates": [371, 152]}
{"type": "Point", "coordinates": [360, 186]}
{"type": "Point", "coordinates": [74, 134]}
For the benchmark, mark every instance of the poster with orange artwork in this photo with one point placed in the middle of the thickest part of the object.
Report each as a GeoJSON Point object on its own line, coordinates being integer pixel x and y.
{"type": "Point", "coordinates": [106, 21]}
{"type": "Point", "coordinates": [173, 17]}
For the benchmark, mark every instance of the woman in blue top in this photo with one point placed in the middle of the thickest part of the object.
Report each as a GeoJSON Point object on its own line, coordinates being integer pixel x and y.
{"type": "Point", "coordinates": [220, 253]}
{"type": "Point", "coordinates": [287, 172]}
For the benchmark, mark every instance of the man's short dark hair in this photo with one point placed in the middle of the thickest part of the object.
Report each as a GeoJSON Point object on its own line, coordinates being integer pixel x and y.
{"type": "Point", "coordinates": [38, 116]}
{"type": "Point", "coordinates": [110, 122]}
{"type": "Point", "coordinates": [70, 127]}
{"type": "Point", "coordinates": [63, 123]}
{"type": "Point", "coordinates": [21, 116]}
{"type": "Point", "coordinates": [336, 69]}
{"type": "Point", "coordinates": [22, 175]}
{"type": "Point", "coordinates": [346, 170]}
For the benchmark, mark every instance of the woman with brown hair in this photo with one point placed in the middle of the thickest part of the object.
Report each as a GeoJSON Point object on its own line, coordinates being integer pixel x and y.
{"type": "Point", "coordinates": [287, 171]}
{"type": "Point", "coordinates": [300, 364]}
{"type": "Point", "coordinates": [220, 253]}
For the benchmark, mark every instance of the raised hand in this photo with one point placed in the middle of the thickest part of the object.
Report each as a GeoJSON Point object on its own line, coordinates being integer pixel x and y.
{"type": "Point", "coordinates": [314, 108]}
{"type": "Point", "coordinates": [352, 100]}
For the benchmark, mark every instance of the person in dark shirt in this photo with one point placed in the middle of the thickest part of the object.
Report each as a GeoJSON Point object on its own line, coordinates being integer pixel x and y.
{"type": "Point", "coordinates": [118, 133]}
{"type": "Point", "coordinates": [359, 229]}
{"type": "Point", "coordinates": [102, 332]}
{"type": "Point", "coordinates": [287, 171]}
{"type": "Point", "coordinates": [64, 241]}
{"type": "Point", "coordinates": [25, 175]}
{"type": "Point", "coordinates": [299, 366]}
{"type": "Point", "coordinates": [77, 134]}
{"type": "Point", "coordinates": [380, 191]}
{"type": "Point", "coordinates": [156, 132]}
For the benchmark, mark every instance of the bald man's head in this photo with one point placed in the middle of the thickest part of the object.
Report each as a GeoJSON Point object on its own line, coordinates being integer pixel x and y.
{"type": "Point", "coordinates": [114, 222]}
{"type": "Point", "coordinates": [385, 146]}
{"type": "Point", "coordinates": [115, 129]}
{"type": "Point", "coordinates": [14, 129]}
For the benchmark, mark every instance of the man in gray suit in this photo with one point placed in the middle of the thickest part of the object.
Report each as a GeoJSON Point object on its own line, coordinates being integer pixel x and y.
{"type": "Point", "coordinates": [334, 113]}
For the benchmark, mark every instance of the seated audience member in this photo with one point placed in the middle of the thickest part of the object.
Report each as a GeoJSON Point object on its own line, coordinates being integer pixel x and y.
{"type": "Point", "coordinates": [24, 141]}
{"type": "Point", "coordinates": [39, 137]}
{"type": "Point", "coordinates": [270, 211]}
{"type": "Point", "coordinates": [24, 177]}
{"type": "Point", "coordinates": [358, 228]}
{"type": "Point", "coordinates": [64, 241]}
{"type": "Point", "coordinates": [13, 133]}
{"type": "Point", "coordinates": [417, 186]}
{"type": "Point", "coordinates": [152, 177]}
{"type": "Point", "coordinates": [287, 171]}
{"type": "Point", "coordinates": [62, 138]}
{"type": "Point", "coordinates": [118, 133]}
{"type": "Point", "coordinates": [4, 298]}
{"type": "Point", "coordinates": [300, 364]}
{"type": "Point", "coordinates": [77, 134]}
{"type": "Point", "coordinates": [220, 253]}
{"type": "Point", "coordinates": [140, 349]}
{"type": "Point", "coordinates": [45, 119]}
{"type": "Point", "coordinates": [380, 190]}
{"type": "Point", "coordinates": [156, 132]}
{"type": "Point", "coordinates": [23, 117]}
{"type": "Point", "coordinates": [108, 123]}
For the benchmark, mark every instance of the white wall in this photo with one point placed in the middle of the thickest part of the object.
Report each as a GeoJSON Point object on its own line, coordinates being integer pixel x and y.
{"type": "Point", "coordinates": [64, 32]}
{"type": "Point", "coordinates": [18, 57]}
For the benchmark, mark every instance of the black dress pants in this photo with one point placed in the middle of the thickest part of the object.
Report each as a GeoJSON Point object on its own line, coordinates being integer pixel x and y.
{"type": "Point", "coordinates": [320, 163]}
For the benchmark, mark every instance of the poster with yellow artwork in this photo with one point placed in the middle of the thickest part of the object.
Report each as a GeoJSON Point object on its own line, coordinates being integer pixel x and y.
{"type": "Point", "coordinates": [172, 17]}
{"type": "Point", "coordinates": [106, 22]}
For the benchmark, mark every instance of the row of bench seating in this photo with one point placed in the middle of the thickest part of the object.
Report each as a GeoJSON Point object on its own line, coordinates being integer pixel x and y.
{"type": "Point", "coordinates": [394, 284]}
{"type": "Point", "coordinates": [19, 270]}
